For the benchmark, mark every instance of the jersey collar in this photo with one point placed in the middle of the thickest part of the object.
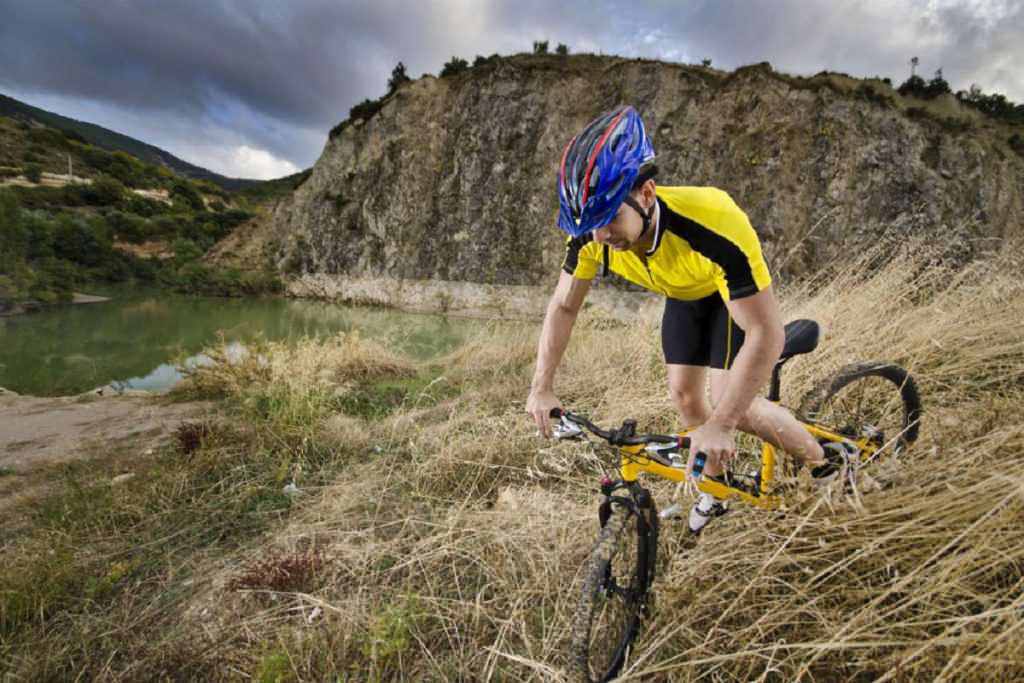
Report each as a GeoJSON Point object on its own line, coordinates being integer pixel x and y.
{"type": "Point", "coordinates": [657, 227]}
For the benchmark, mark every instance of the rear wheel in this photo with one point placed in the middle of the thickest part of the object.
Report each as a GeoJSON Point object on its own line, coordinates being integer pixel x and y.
{"type": "Point", "coordinates": [618, 576]}
{"type": "Point", "coordinates": [874, 403]}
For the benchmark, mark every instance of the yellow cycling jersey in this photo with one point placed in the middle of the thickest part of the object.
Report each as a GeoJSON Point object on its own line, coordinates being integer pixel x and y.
{"type": "Point", "coordinates": [703, 243]}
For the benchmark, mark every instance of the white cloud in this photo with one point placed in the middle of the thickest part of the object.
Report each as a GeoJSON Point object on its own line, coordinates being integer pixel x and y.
{"type": "Point", "coordinates": [243, 161]}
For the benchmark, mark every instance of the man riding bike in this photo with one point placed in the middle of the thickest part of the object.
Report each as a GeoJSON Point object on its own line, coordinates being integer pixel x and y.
{"type": "Point", "coordinates": [697, 248]}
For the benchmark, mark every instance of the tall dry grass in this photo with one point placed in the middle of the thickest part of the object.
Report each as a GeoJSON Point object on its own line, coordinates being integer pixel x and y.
{"type": "Point", "coordinates": [448, 545]}
{"type": "Point", "coordinates": [454, 554]}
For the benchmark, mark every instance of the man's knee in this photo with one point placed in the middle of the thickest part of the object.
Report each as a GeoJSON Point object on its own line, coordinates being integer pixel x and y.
{"type": "Point", "coordinates": [691, 404]}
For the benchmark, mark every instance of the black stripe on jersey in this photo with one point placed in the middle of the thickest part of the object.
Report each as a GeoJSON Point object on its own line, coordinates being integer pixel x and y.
{"type": "Point", "coordinates": [718, 249]}
{"type": "Point", "coordinates": [572, 251]}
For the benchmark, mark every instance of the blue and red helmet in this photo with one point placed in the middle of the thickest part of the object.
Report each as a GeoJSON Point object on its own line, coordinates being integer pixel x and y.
{"type": "Point", "coordinates": [599, 168]}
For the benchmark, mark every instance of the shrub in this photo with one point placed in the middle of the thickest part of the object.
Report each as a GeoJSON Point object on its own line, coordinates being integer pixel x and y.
{"type": "Point", "coordinates": [540, 47]}
{"type": "Point", "coordinates": [455, 66]}
{"type": "Point", "coordinates": [185, 251]}
{"type": "Point", "coordinates": [186, 192]}
{"type": "Point", "coordinates": [562, 49]}
{"type": "Point", "coordinates": [103, 191]}
{"type": "Point", "coordinates": [33, 173]}
{"type": "Point", "coordinates": [126, 226]}
{"type": "Point", "coordinates": [398, 77]}
{"type": "Point", "coordinates": [365, 109]}
{"type": "Point", "coordinates": [73, 135]}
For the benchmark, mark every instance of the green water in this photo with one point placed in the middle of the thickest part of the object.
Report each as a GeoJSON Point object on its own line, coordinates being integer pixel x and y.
{"type": "Point", "coordinates": [137, 339]}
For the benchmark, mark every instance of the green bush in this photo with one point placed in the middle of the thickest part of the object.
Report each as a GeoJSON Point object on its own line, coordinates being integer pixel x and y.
{"type": "Point", "coordinates": [455, 66]}
{"type": "Point", "coordinates": [126, 226]}
{"type": "Point", "coordinates": [104, 190]}
{"type": "Point", "coordinates": [185, 192]}
{"type": "Point", "coordinates": [364, 111]}
{"type": "Point", "coordinates": [13, 232]}
{"type": "Point", "coordinates": [185, 251]}
{"type": "Point", "coordinates": [34, 173]}
{"type": "Point", "coordinates": [540, 47]}
{"type": "Point", "coordinates": [398, 77]}
{"type": "Point", "coordinates": [83, 243]}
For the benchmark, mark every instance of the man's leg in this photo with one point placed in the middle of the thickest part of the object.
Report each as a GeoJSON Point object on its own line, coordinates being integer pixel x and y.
{"type": "Point", "coordinates": [773, 423]}
{"type": "Point", "coordinates": [686, 386]}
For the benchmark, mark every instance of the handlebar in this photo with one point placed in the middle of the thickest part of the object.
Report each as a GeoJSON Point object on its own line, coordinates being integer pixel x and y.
{"type": "Point", "coordinates": [626, 436]}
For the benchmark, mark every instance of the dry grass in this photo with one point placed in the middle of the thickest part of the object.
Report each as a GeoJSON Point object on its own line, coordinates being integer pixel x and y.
{"type": "Point", "coordinates": [449, 549]}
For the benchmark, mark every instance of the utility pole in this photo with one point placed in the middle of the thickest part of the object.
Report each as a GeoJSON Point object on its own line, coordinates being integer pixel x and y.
{"type": "Point", "coordinates": [913, 66]}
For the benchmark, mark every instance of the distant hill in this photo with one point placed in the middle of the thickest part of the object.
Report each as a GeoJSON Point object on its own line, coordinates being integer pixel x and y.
{"type": "Point", "coordinates": [114, 141]}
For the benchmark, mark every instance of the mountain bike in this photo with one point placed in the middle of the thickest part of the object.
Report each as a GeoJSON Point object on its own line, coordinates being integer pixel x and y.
{"type": "Point", "coordinates": [873, 408]}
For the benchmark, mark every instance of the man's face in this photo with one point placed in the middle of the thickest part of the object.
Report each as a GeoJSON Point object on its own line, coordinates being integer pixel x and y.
{"type": "Point", "coordinates": [622, 233]}
{"type": "Point", "coordinates": [623, 230]}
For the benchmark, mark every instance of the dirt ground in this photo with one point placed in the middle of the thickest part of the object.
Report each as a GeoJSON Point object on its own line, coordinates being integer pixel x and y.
{"type": "Point", "coordinates": [38, 432]}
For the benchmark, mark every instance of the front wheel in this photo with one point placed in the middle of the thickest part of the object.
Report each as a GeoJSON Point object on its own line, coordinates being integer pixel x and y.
{"type": "Point", "coordinates": [618, 576]}
{"type": "Point", "coordinates": [876, 404]}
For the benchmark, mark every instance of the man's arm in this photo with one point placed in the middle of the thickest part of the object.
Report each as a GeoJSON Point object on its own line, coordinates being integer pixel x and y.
{"type": "Point", "coordinates": [764, 338]}
{"type": "Point", "coordinates": [565, 304]}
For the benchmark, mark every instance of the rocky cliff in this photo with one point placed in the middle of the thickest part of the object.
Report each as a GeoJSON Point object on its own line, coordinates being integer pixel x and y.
{"type": "Point", "coordinates": [453, 179]}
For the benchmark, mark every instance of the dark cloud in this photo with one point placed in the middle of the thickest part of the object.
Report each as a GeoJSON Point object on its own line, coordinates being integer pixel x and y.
{"type": "Point", "coordinates": [211, 77]}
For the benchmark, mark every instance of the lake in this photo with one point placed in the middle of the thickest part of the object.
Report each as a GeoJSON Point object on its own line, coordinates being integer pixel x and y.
{"type": "Point", "coordinates": [138, 339]}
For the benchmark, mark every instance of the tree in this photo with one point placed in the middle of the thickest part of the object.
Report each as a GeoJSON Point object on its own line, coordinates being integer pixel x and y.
{"type": "Point", "coordinates": [103, 191]}
{"type": "Point", "coordinates": [186, 192]}
{"type": "Point", "coordinates": [455, 66]}
{"type": "Point", "coordinates": [13, 235]}
{"type": "Point", "coordinates": [937, 86]}
{"type": "Point", "coordinates": [705, 62]}
{"type": "Point", "coordinates": [33, 173]}
{"type": "Point", "coordinates": [540, 47]}
{"type": "Point", "coordinates": [914, 85]}
{"type": "Point", "coordinates": [398, 77]}
{"type": "Point", "coordinates": [562, 49]}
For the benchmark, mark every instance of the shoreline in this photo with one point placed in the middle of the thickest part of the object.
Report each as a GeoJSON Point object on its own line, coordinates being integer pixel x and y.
{"type": "Point", "coordinates": [26, 307]}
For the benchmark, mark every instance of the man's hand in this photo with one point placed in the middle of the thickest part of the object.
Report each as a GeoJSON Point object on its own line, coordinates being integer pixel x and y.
{"type": "Point", "coordinates": [539, 406]}
{"type": "Point", "coordinates": [714, 441]}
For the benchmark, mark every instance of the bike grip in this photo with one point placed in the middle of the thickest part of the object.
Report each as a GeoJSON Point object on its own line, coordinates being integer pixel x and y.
{"type": "Point", "coordinates": [555, 412]}
{"type": "Point", "coordinates": [699, 461]}
{"type": "Point", "coordinates": [684, 443]}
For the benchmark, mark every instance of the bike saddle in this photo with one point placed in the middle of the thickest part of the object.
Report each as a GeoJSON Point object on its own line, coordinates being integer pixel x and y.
{"type": "Point", "coordinates": [801, 337]}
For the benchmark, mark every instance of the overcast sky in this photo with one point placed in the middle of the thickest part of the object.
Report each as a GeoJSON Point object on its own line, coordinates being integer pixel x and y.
{"type": "Point", "coordinates": [249, 88]}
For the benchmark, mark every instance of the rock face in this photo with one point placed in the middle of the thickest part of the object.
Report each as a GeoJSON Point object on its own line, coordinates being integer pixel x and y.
{"type": "Point", "coordinates": [453, 179]}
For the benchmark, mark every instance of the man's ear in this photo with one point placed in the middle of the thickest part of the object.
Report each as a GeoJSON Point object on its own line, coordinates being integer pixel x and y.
{"type": "Point", "coordinates": [648, 192]}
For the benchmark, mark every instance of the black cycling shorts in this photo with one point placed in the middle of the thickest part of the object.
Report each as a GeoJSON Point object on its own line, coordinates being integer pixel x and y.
{"type": "Point", "coordinates": [700, 333]}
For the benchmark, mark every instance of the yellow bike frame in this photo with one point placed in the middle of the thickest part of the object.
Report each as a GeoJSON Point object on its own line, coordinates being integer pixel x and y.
{"type": "Point", "coordinates": [635, 461]}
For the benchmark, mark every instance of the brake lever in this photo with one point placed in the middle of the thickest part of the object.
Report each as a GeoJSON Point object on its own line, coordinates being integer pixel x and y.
{"type": "Point", "coordinates": [567, 430]}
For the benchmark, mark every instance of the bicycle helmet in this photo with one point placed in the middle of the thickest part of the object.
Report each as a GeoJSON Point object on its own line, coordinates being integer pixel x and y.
{"type": "Point", "coordinates": [600, 167]}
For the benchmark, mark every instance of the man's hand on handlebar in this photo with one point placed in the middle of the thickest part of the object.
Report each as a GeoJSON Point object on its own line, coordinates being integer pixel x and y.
{"type": "Point", "coordinates": [539, 405]}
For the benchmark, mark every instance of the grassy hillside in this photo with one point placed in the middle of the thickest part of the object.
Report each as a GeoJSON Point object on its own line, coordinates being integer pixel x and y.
{"type": "Point", "coordinates": [60, 232]}
{"type": "Point", "coordinates": [112, 141]}
{"type": "Point", "coordinates": [435, 537]}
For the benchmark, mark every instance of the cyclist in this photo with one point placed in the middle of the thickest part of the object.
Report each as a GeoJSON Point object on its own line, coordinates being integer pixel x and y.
{"type": "Point", "coordinates": [698, 249]}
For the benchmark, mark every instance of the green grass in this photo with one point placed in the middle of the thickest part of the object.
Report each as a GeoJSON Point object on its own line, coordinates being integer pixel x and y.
{"type": "Point", "coordinates": [379, 398]}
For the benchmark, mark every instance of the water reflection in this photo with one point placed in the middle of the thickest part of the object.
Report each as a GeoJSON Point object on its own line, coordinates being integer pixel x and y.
{"type": "Point", "coordinates": [136, 339]}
